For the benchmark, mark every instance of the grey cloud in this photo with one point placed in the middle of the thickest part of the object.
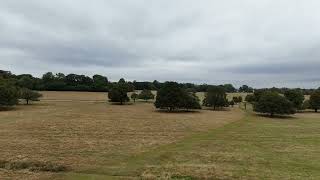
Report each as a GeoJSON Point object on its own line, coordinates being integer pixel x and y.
{"type": "Point", "coordinates": [207, 41]}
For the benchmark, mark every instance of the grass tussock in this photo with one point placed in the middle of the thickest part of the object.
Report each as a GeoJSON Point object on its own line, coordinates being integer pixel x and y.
{"type": "Point", "coordinates": [32, 166]}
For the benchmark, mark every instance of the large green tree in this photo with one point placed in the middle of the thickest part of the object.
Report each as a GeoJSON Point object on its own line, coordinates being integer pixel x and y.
{"type": "Point", "coordinates": [119, 93]}
{"type": "Point", "coordinates": [146, 95]}
{"type": "Point", "coordinates": [29, 95]}
{"type": "Point", "coordinates": [9, 95]}
{"type": "Point", "coordinates": [173, 97]}
{"type": "Point", "coordinates": [296, 97]}
{"type": "Point", "coordinates": [216, 97]}
{"type": "Point", "coordinates": [315, 100]}
{"type": "Point", "coordinates": [273, 103]}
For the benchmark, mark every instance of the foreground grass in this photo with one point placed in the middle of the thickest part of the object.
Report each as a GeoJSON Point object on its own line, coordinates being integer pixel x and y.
{"type": "Point", "coordinates": [253, 148]}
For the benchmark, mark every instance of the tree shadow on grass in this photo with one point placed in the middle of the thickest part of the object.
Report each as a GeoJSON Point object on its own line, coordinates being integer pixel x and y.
{"type": "Point", "coordinates": [119, 104]}
{"type": "Point", "coordinates": [283, 117]}
{"type": "Point", "coordinates": [177, 111]}
{"type": "Point", "coordinates": [7, 108]}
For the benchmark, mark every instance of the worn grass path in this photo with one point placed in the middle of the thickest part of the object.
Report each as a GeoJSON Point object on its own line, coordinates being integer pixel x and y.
{"type": "Point", "coordinates": [252, 148]}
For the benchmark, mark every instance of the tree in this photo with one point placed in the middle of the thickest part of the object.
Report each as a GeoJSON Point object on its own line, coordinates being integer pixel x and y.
{"type": "Point", "coordinates": [306, 104]}
{"type": "Point", "coordinates": [146, 95]}
{"type": "Point", "coordinates": [296, 97]}
{"type": "Point", "coordinates": [9, 95]}
{"type": "Point", "coordinates": [315, 100]}
{"type": "Point", "coordinates": [172, 97]}
{"type": "Point", "coordinates": [229, 88]}
{"type": "Point", "coordinates": [237, 99]}
{"type": "Point", "coordinates": [118, 93]}
{"type": "Point", "coordinates": [29, 95]}
{"type": "Point", "coordinates": [250, 98]}
{"type": "Point", "coordinates": [26, 82]}
{"type": "Point", "coordinates": [134, 96]}
{"type": "Point", "coordinates": [215, 97]}
{"type": "Point", "coordinates": [231, 103]}
{"type": "Point", "coordinates": [99, 83]}
{"type": "Point", "coordinates": [246, 89]}
{"type": "Point", "coordinates": [273, 103]}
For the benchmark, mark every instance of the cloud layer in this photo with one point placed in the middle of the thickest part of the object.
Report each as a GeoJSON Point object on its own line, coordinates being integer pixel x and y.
{"type": "Point", "coordinates": [261, 43]}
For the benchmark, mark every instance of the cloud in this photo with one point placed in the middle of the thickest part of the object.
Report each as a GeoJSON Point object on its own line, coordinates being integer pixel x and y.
{"type": "Point", "coordinates": [207, 41]}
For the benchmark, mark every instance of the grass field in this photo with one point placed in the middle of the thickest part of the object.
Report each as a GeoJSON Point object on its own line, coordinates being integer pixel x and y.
{"type": "Point", "coordinates": [96, 140]}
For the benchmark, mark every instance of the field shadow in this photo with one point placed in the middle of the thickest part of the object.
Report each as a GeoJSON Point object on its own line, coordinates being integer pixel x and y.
{"type": "Point", "coordinates": [177, 111]}
{"type": "Point", "coordinates": [282, 117]}
{"type": "Point", "coordinates": [14, 108]}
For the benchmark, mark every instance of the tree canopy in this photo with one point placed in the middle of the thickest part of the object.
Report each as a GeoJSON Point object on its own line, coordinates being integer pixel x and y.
{"type": "Point", "coordinates": [9, 95]}
{"type": "Point", "coordinates": [315, 100]}
{"type": "Point", "coordinates": [273, 103]}
{"type": "Point", "coordinates": [146, 95]}
{"type": "Point", "coordinates": [173, 97]}
{"type": "Point", "coordinates": [29, 95]}
{"type": "Point", "coordinates": [118, 93]}
{"type": "Point", "coordinates": [296, 97]}
{"type": "Point", "coordinates": [216, 97]}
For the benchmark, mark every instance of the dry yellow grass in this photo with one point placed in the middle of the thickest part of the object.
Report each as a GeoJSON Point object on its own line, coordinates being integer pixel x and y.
{"type": "Point", "coordinates": [84, 132]}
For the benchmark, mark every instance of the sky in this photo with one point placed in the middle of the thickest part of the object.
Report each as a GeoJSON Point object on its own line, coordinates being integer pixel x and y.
{"type": "Point", "coordinates": [262, 43]}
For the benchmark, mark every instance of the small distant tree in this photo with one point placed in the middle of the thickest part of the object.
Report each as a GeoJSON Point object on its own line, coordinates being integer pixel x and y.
{"type": "Point", "coordinates": [134, 96]}
{"type": "Point", "coordinates": [231, 103]}
{"type": "Point", "coordinates": [146, 95]}
{"type": "Point", "coordinates": [315, 100]}
{"type": "Point", "coordinates": [118, 93]}
{"type": "Point", "coordinates": [9, 95]}
{"type": "Point", "coordinates": [29, 95]}
{"type": "Point", "coordinates": [246, 88]}
{"type": "Point", "coordinates": [237, 99]}
{"type": "Point", "coordinates": [296, 97]}
{"type": "Point", "coordinates": [172, 97]}
{"type": "Point", "coordinates": [273, 103]}
{"type": "Point", "coordinates": [216, 97]}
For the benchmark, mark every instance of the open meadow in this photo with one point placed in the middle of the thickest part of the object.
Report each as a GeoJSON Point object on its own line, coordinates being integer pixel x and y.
{"type": "Point", "coordinates": [94, 139]}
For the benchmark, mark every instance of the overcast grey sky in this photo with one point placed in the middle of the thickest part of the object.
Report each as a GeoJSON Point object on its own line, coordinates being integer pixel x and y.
{"type": "Point", "coordinates": [262, 43]}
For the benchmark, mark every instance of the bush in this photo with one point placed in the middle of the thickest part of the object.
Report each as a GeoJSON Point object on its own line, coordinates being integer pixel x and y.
{"type": "Point", "coordinates": [272, 103]}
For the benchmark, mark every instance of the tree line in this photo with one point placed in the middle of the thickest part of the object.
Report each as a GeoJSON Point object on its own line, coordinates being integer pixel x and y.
{"type": "Point", "coordinates": [99, 83]}
{"type": "Point", "coordinates": [171, 96]}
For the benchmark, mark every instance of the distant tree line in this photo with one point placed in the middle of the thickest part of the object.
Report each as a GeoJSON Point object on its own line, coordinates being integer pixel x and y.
{"type": "Point", "coordinates": [171, 96]}
{"type": "Point", "coordinates": [99, 83]}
